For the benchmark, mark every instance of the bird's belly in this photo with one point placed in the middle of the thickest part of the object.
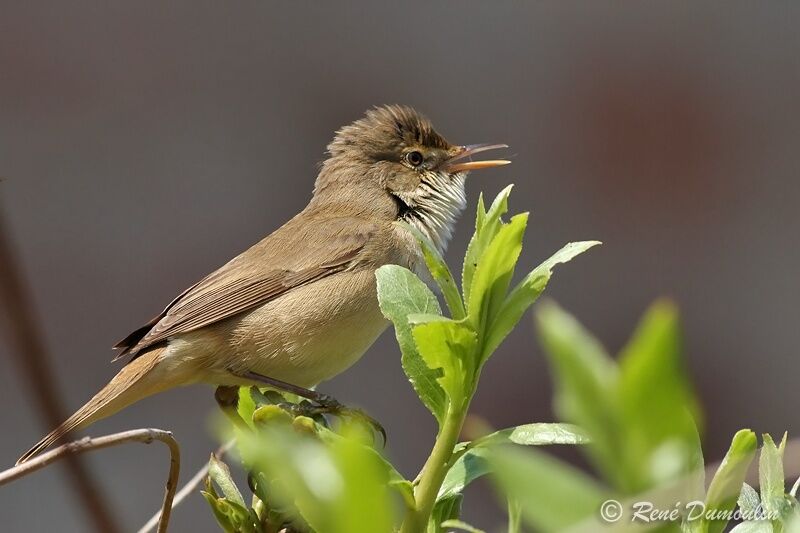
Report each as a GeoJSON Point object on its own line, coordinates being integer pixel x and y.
{"type": "Point", "coordinates": [310, 334]}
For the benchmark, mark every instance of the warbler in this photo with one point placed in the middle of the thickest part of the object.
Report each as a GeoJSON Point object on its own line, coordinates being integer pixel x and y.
{"type": "Point", "coordinates": [300, 306]}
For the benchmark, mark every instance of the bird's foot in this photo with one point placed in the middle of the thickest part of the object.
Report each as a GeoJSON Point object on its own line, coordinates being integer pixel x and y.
{"type": "Point", "coordinates": [326, 404]}
{"type": "Point", "coordinates": [322, 403]}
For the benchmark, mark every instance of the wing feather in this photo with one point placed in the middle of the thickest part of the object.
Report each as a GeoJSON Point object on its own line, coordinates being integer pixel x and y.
{"type": "Point", "coordinates": [253, 278]}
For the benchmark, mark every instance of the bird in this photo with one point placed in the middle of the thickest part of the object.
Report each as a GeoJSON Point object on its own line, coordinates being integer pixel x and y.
{"type": "Point", "coordinates": [300, 306]}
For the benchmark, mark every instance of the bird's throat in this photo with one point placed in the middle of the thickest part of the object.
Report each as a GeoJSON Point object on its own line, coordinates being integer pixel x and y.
{"type": "Point", "coordinates": [434, 206]}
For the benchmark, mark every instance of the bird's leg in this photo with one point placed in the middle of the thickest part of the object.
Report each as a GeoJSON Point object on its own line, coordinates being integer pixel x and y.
{"type": "Point", "coordinates": [325, 402]}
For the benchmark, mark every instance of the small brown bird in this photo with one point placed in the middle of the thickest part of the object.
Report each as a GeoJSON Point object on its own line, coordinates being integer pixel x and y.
{"type": "Point", "coordinates": [300, 306]}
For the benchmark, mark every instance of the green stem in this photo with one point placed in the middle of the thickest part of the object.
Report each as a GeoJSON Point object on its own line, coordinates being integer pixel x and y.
{"type": "Point", "coordinates": [435, 469]}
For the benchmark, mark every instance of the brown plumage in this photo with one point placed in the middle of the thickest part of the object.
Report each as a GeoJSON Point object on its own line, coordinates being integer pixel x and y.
{"type": "Point", "coordinates": [127, 386]}
{"type": "Point", "coordinates": [300, 306]}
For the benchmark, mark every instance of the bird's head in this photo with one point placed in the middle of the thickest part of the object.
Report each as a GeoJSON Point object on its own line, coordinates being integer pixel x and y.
{"type": "Point", "coordinates": [392, 163]}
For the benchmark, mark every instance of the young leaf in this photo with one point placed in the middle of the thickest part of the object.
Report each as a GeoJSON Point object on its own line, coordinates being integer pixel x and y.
{"type": "Point", "coordinates": [657, 405]}
{"type": "Point", "coordinates": [486, 227]}
{"type": "Point", "coordinates": [536, 434]}
{"type": "Point", "coordinates": [449, 509]}
{"type": "Point", "coordinates": [222, 512]}
{"type": "Point", "coordinates": [792, 524]}
{"type": "Point", "coordinates": [494, 271]}
{"type": "Point", "coordinates": [551, 494]}
{"type": "Point", "coordinates": [231, 516]}
{"type": "Point", "coordinates": [526, 293]}
{"type": "Point", "coordinates": [749, 500]}
{"type": "Point", "coordinates": [724, 488]}
{"type": "Point", "coordinates": [218, 507]}
{"type": "Point", "coordinates": [221, 475]}
{"type": "Point", "coordinates": [471, 462]}
{"type": "Point", "coordinates": [463, 526]}
{"type": "Point", "coordinates": [585, 380]}
{"type": "Point", "coordinates": [440, 273]}
{"type": "Point", "coordinates": [336, 486]}
{"type": "Point", "coordinates": [450, 346]}
{"type": "Point", "coordinates": [514, 516]}
{"type": "Point", "coordinates": [363, 506]}
{"type": "Point", "coordinates": [246, 405]}
{"type": "Point", "coordinates": [760, 526]}
{"type": "Point", "coordinates": [261, 487]}
{"type": "Point", "coordinates": [394, 478]}
{"type": "Point", "coordinates": [480, 216]}
{"type": "Point", "coordinates": [466, 469]}
{"type": "Point", "coordinates": [770, 475]}
{"type": "Point", "coordinates": [401, 293]}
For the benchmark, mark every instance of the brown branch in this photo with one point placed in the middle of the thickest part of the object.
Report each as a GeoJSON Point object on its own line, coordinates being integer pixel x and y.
{"type": "Point", "coordinates": [28, 347]}
{"type": "Point", "coordinates": [188, 488]}
{"type": "Point", "coordinates": [145, 436]}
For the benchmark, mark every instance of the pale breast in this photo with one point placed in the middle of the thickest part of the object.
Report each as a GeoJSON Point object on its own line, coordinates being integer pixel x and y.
{"type": "Point", "coordinates": [306, 336]}
{"type": "Point", "coordinates": [310, 334]}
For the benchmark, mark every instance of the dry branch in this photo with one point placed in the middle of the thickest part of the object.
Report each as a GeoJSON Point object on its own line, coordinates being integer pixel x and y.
{"type": "Point", "coordinates": [188, 488]}
{"type": "Point", "coordinates": [145, 436]}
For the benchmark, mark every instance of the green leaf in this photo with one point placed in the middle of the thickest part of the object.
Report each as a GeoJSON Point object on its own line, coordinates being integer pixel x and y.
{"type": "Point", "coordinates": [221, 475]}
{"type": "Point", "coordinates": [406, 490]}
{"type": "Point", "coordinates": [792, 524]}
{"type": "Point", "coordinates": [480, 216]}
{"type": "Point", "coordinates": [494, 272]}
{"type": "Point", "coordinates": [552, 495]}
{"type": "Point", "coordinates": [218, 507]}
{"type": "Point", "coordinates": [363, 506]}
{"type": "Point", "coordinates": [527, 292]}
{"type": "Point", "coordinates": [246, 405]}
{"type": "Point", "coordinates": [466, 469]}
{"type": "Point", "coordinates": [770, 475]}
{"type": "Point", "coordinates": [585, 381]}
{"type": "Point", "coordinates": [657, 405]}
{"type": "Point", "coordinates": [261, 487]}
{"type": "Point", "coordinates": [471, 462]}
{"type": "Point", "coordinates": [401, 293]}
{"type": "Point", "coordinates": [486, 227]}
{"type": "Point", "coordinates": [459, 524]}
{"type": "Point", "coordinates": [724, 488]}
{"type": "Point", "coordinates": [449, 509]}
{"type": "Point", "coordinates": [440, 273]}
{"type": "Point", "coordinates": [230, 515]}
{"type": "Point", "coordinates": [514, 516]}
{"type": "Point", "coordinates": [536, 434]}
{"type": "Point", "coordinates": [220, 510]}
{"type": "Point", "coordinates": [394, 478]}
{"type": "Point", "coordinates": [748, 501]}
{"type": "Point", "coordinates": [795, 487]}
{"type": "Point", "coordinates": [450, 346]}
{"type": "Point", "coordinates": [337, 485]}
{"type": "Point", "coordinates": [761, 526]}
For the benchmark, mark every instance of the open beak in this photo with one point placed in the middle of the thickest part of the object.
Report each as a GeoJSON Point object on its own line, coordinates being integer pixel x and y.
{"type": "Point", "coordinates": [457, 163]}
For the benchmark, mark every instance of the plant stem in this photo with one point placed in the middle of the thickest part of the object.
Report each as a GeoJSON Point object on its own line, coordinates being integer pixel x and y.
{"type": "Point", "coordinates": [435, 469]}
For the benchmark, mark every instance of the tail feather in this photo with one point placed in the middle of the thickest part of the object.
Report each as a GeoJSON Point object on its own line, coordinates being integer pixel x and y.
{"type": "Point", "coordinates": [134, 382]}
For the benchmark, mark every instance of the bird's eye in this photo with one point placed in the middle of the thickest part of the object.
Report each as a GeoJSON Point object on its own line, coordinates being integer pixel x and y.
{"type": "Point", "coordinates": [414, 159]}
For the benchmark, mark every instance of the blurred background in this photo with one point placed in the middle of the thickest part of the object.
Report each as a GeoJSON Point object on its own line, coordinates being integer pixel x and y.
{"type": "Point", "coordinates": [143, 144]}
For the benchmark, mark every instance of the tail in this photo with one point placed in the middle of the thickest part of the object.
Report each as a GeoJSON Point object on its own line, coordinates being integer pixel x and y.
{"type": "Point", "coordinates": [135, 381]}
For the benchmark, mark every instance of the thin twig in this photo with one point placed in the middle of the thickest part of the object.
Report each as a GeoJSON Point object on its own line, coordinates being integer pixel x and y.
{"type": "Point", "coordinates": [27, 345]}
{"type": "Point", "coordinates": [86, 444]}
{"type": "Point", "coordinates": [188, 488]}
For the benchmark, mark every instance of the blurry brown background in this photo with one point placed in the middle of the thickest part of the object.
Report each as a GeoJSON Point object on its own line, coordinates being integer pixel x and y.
{"type": "Point", "coordinates": [145, 143]}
